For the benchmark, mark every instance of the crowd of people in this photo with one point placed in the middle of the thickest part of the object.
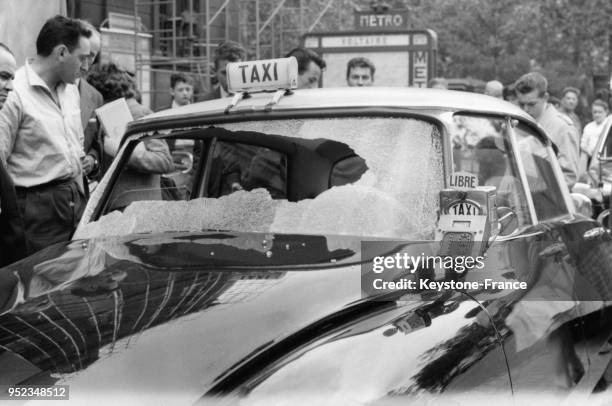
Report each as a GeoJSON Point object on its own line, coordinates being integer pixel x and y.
{"type": "Point", "coordinates": [52, 147]}
{"type": "Point", "coordinates": [558, 116]}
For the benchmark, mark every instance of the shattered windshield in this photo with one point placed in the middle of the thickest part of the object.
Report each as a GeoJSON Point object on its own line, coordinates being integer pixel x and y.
{"type": "Point", "coordinates": [360, 176]}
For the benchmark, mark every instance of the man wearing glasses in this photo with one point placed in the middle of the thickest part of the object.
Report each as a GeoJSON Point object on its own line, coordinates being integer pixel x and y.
{"type": "Point", "coordinates": [41, 137]}
{"type": "Point", "coordinates": [532, 95]}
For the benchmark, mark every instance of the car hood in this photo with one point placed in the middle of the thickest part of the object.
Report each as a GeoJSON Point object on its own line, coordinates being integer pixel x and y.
{"type": "Point", "coordinates": [145, 313]}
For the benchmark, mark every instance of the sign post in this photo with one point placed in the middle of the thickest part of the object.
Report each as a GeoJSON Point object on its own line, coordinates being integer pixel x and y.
{"type": "Point", "coordinates": [401, 56]}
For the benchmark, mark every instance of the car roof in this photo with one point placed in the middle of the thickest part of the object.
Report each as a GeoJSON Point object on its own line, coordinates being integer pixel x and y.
{"type": "Point", "coordinates": [420, 99]}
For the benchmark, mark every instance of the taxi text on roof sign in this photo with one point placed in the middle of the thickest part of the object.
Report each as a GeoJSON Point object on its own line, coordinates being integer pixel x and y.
{"type": "Point", "coordinates": [263, 75]}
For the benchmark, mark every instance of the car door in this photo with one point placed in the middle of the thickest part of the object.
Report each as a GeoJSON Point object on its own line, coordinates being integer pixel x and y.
{"type": "Point", "coordinates": [554, 330]}
{"type": "Point", "coordinates": [558, 324]}
{"type": "Point", "coordinates": [599, 173]}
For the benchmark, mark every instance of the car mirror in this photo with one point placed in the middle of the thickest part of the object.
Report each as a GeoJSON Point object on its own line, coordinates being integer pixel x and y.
{"type": "Point", "coordinates": [507, 221]}
{"type": "Point", "coordinates": [183, 161]}
{"type": "Point", "coordinates": [583, 204]}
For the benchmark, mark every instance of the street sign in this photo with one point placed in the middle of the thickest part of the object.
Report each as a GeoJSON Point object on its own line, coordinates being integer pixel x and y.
{"type": "Point", "coordinates": [401, 58]}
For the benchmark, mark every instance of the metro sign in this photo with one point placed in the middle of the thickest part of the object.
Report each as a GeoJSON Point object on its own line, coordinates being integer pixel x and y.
{"type": "Point", "coordinates": [389, 20]}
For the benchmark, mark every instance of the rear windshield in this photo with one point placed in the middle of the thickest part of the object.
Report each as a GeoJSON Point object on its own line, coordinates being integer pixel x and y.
{"type": "Point", "coordinates": [360, 176]}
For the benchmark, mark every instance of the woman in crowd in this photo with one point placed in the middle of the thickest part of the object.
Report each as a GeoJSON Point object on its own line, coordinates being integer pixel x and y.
{"type": "Point", "coordinates": [151, 158]}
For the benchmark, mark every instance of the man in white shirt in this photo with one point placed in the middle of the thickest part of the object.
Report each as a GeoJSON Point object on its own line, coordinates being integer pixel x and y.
{"type": "Point", "coordinates": [592, 130]}
{"type": "Point", "coordinates": [41, 136]}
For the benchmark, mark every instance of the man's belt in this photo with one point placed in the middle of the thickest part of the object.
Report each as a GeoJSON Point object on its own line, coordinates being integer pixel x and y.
{"type": "Point", "coordinates": [49, 185]}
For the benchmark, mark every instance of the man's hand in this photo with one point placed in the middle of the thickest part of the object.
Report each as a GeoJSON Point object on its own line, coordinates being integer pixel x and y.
{"type": "Point", "coordinates": [89, 164]}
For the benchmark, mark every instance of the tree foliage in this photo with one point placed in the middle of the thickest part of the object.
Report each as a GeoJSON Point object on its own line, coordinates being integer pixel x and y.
{"type": "Point", "coordinates": [485, 39]}
{"type": "Point", "coordinates": [565, 39]}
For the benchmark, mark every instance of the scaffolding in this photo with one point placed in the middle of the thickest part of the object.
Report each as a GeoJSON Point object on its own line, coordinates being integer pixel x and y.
{"type": "Point", "coordinates": [269, 29]}
{"type": "Point", "coordinates": [185, 33]}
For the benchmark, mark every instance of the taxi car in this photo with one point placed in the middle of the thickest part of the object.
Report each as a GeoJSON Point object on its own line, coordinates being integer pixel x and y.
{"type": "Point", "coordinates": [252, 279]}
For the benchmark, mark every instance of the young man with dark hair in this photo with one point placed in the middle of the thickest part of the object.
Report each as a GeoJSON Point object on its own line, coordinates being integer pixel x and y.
{"type": "Point", "coordinates": [227, 51]}
{"type": "Point", "coordinates": [360, 72]}
{"type": "Point", "coordinates": [41, 137]}
{"type": "Point", "coordinates": [532, 94]}
{"type": "Point", "coordinates": [310, 66]}
{"type": "Point", "coordinates": [181, 89]}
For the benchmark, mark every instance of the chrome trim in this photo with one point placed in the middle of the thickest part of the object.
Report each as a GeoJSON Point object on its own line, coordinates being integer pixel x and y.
{"type": "Point", "coordinates": [521, 170]}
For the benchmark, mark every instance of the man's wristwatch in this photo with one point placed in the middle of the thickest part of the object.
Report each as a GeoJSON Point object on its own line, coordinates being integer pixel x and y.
{"type": "Point", "coordinates": [96, 165]}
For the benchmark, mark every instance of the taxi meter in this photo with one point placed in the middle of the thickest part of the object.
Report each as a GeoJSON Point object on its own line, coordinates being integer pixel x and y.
{"type": "Point", "coordinates": [468, 216]}
{"type": "Point", "coordinates": [262, 75]}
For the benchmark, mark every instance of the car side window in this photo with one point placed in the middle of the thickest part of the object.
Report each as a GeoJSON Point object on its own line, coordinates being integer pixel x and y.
{"type": "Point", "coordinates": [481, 146]}
{"type": "Point", "coordinates": [607, 149]}
{"type": "Point", "coordinates": [141, 176]}
{"type": "Point", "coordinates": [543, 184]}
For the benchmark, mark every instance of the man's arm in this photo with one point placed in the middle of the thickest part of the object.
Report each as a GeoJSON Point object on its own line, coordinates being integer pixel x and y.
{"type": "Point", "coordinates": [10, 118]}
{"type": "Point", "coordinates": [152, 156]}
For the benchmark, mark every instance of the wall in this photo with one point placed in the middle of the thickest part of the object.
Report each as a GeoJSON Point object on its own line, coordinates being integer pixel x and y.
{"type": "Point", "coordinates": [17, 14]}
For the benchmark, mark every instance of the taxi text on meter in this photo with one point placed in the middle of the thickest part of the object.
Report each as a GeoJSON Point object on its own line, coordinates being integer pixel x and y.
{"type": "Point", "coordinates": [262, 75]}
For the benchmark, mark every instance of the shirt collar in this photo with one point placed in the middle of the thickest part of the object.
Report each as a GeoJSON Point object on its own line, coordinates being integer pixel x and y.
{"type": "Point", "coordinates": [35, 80]}
{"type": "Point", "coordinates": [175, 104]}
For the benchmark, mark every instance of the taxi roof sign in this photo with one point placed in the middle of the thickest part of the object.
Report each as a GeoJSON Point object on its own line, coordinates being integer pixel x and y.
{"type": "Point", "coordinates": [263, 75]}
